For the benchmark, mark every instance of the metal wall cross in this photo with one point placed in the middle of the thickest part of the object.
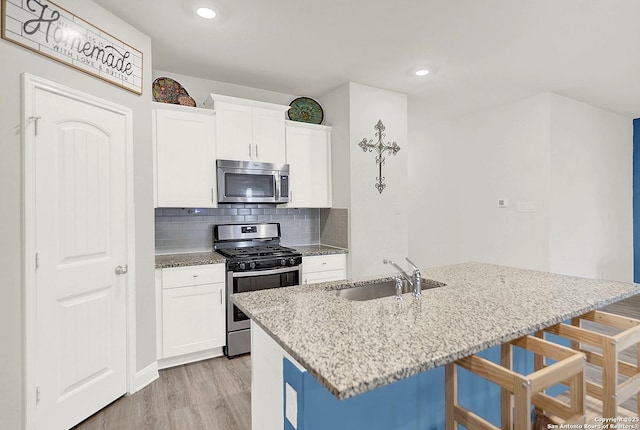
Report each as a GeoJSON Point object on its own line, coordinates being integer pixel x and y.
{"type": "Point", "coordinates": [380, 147]}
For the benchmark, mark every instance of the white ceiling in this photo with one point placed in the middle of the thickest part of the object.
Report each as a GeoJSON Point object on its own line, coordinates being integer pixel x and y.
{"type": "Point", "coordinates": [487, 52]}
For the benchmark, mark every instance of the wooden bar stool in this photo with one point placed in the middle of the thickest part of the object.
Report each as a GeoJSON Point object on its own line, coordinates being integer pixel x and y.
{"type": "Point", "coordinates": [610, 392]}
{"type": "Point", "coordinates": [520, 392]}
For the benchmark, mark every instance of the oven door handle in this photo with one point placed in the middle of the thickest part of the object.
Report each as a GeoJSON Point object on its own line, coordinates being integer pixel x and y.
{"type": "Point", "coordinates": [266, 272]}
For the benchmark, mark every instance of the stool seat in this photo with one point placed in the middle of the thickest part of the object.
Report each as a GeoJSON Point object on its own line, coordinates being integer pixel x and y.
{"type": "Point", "coordinates": [610, 393]}
{"type": "Point", "coordinates": [520, 392]}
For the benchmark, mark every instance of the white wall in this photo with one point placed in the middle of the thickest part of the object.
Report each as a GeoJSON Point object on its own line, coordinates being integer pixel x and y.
{"type": "Point", "coordinates": [378, 227]}
{"type": "Point", "coordinates": [199, 89]}
{"type": "Point", "coordinates": [458, 171]}
{"type": "Point", "coordinates": [591, 227]}
{"type": "Point", "coordinates": [15, 61]}
{"type": "Point", "coordinates": [572, 161]}
{"type": "Point", "coordinates": [377, 221]}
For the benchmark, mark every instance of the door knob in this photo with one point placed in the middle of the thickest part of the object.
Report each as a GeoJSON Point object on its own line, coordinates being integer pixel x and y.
{"type": "Point", "coordinates": [121, 270]}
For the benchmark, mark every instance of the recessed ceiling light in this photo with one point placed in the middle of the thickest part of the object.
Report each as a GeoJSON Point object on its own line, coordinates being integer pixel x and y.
{"type": "Point", "coordinates": [206, 13]}
{"type": "Point", "coordinates": [422, 72]}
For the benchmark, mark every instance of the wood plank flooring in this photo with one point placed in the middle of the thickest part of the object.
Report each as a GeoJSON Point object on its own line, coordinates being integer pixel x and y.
{"type": "Point", "coordinates": [216, 394]}
{"type": "Point", "coordinates": [209, 395]}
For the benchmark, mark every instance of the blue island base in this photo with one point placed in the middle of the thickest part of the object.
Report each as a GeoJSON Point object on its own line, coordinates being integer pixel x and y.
{"type": "Point", "coordinates": [415, 403]}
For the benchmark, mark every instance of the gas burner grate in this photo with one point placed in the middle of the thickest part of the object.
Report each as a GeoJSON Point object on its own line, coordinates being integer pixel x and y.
{"type": "Point", "coordinates": [255, 251]}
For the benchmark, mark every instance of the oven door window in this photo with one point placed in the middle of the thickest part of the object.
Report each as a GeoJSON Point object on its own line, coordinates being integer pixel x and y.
{"type": "Point", "coordinates": [245, 185]}
{"type": "Point", "coordinates": [261, 282]}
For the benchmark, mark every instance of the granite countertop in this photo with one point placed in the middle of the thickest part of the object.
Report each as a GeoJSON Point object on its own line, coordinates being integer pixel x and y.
{"type": "Point", "coordinates": [310, 250]}
{"type": "Point", "coordinates": [353, 347]}
{"type": "Point", "coordinates": [164, 261]}
{"type": "Point", "coordinates": [188, 259]}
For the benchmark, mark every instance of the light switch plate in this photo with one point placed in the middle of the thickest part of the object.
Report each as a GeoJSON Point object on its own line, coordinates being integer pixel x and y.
{"type": "Point", "coordinates": [503, 203]}
{"type": "Point", "coordinates": [526, 207]}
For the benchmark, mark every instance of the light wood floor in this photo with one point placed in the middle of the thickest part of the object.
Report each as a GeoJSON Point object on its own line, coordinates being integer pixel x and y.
{"type": "Point", "coordinates": [209, 395]}
{"type": "Point", "coordinates": [216, 394]}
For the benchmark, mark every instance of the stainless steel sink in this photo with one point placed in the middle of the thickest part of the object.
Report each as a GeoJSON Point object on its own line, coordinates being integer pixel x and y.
{"type": "Point", "coordinates": [380, 289]}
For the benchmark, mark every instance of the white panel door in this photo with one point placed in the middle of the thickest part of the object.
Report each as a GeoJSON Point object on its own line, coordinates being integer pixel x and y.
{"type": "Point", "coordinates": [268, 135]}
{"type": "Point", "coordinates": [81, 218]}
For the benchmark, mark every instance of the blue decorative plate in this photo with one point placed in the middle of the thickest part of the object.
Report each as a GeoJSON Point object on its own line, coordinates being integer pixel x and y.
{"type": "Point", "coordinates": [304, 109]}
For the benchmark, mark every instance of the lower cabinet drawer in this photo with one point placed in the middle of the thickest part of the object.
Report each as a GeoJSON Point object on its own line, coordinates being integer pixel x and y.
{"type": "Point", "coordinates": [193, 275]}
{"type": "Point", "coordinates": [193, 319]}
{"type": "Point", "coordinates": [323, 263]}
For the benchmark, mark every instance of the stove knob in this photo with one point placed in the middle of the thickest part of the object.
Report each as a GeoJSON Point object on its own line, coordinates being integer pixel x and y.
{"type": "Point", "coordinates": [292, 261]}
{"type": "Point", "coordinates": [283, 262]}
{"type": "Point", "coordinates": [252, 265]}
{"type": "Point", "coordinates": [242, 266]}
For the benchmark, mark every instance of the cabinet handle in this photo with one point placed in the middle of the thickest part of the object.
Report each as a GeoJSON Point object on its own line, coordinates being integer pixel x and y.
{"type": "Point", "coordinates": [195, 276]}
{"type": "Point", "coordinates": [212, 195]}
{"type": "Point", "coordinates": [220, 296]}
{"type": "Point", "coordinates": [257, 152]}
{"type": "Point", "coordinates": [249, 150]}
{"type": "Point", "coordinates": [290, 196]}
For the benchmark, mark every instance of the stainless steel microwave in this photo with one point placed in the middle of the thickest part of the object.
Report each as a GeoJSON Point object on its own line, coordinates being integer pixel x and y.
{"type": "Point", "coordinates": [252, 182]}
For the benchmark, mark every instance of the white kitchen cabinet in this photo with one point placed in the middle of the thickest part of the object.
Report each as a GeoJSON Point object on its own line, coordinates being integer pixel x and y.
{"type": "Point", "coordinates": [309, 158]}
{"type": "Point", "coordinates": [248, 130]}
{"type": "Point", "coordinates": [324, 268]}
{"type": "Point", "coordinates": [192, 312]}
{"type": "Point", "coordinates": [184, 144]}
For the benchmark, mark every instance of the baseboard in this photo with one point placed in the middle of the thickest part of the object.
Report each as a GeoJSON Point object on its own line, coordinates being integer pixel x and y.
{"type": "Point", "coordinates": [178, 360]}
{"type": "Point", "coordinates": [145, 377]}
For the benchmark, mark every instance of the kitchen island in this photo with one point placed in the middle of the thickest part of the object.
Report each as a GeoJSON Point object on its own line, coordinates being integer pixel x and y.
{"type": "Point", "coordinates": [356, 349]}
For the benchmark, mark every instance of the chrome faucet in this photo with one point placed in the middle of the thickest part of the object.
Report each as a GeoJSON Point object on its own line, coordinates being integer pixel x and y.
{"type": "Point", "coordinates": [415, 280]}
{"type": "Point", "coordinates": [398, 280]}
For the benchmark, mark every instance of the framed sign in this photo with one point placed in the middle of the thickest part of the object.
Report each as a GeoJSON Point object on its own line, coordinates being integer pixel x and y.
{"type": "Point", "coordinates": [46, 28]}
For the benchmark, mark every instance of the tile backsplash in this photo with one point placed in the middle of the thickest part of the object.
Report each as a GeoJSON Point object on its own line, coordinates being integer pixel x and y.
{"type": "Point", "coordinates": [334, 227]}
{"type": "Point", "coordinates": [191, 230]}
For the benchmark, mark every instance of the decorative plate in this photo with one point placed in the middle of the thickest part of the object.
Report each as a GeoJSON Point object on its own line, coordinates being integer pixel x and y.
{"type": "Point", "coordinates": [304, 109]}
{"type": "Point", "coordinates": [166, 90]}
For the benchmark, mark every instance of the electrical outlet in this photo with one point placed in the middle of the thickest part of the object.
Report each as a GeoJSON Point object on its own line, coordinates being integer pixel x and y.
{"type": "Point", "coordinates": [503, 203]}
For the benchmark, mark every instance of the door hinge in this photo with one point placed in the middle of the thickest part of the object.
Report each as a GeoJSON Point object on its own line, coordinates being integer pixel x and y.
{"type": "Point", "coordinates": [37, 394]}
{"type": "Point", "coordinates": [37, 260]}
{"type": "Point", "coordinates": [35, 122]}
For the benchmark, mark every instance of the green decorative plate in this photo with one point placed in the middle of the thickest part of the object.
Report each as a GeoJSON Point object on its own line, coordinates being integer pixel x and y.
{"type": "Point", "coordinates": [304, 109]}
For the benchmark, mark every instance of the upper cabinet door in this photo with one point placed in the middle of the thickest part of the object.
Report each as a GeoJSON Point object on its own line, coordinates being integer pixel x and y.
{"type": "Point", "coordinates": [309, 158]}
{"type": "Point", "coordinates": [234, 131]}
{"type": "Point", "coordinates": [248, 130]}
{"type": "Point", "coordinates": [268, 135]}
{"type": "Point", "coordinates": [185, 157]}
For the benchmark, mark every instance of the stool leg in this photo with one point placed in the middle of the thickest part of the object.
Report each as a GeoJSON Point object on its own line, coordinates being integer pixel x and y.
{"type": "Point", "coordinates": [506, 360]}
{"type": "Point", "coordinates": [522, 400]}
{"type": "Point", "coordinates": [577, 392]}
{"type": "Point", "coordinates": [450, 395]}
{"type": "Point", "coordinates": [609, 379]}
{"type": "Point", "coordinates": [575, 322]}
{"type": "Point", "coordinates": [538, 364]}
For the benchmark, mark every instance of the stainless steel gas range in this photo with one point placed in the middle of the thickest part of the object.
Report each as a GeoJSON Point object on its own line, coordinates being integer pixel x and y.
{"type": "Point", "coordinates": [255, 261]}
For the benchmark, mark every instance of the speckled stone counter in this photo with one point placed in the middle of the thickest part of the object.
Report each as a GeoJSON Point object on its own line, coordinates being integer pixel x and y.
{"type": "Point", "coordinates": [164, 261]}
{"type": "Point", "coordinates": [310, 250]}
{"type": "Point", "coordinates": [352, 347]}
{"type": "Point", "coordinates": [189, 259]}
